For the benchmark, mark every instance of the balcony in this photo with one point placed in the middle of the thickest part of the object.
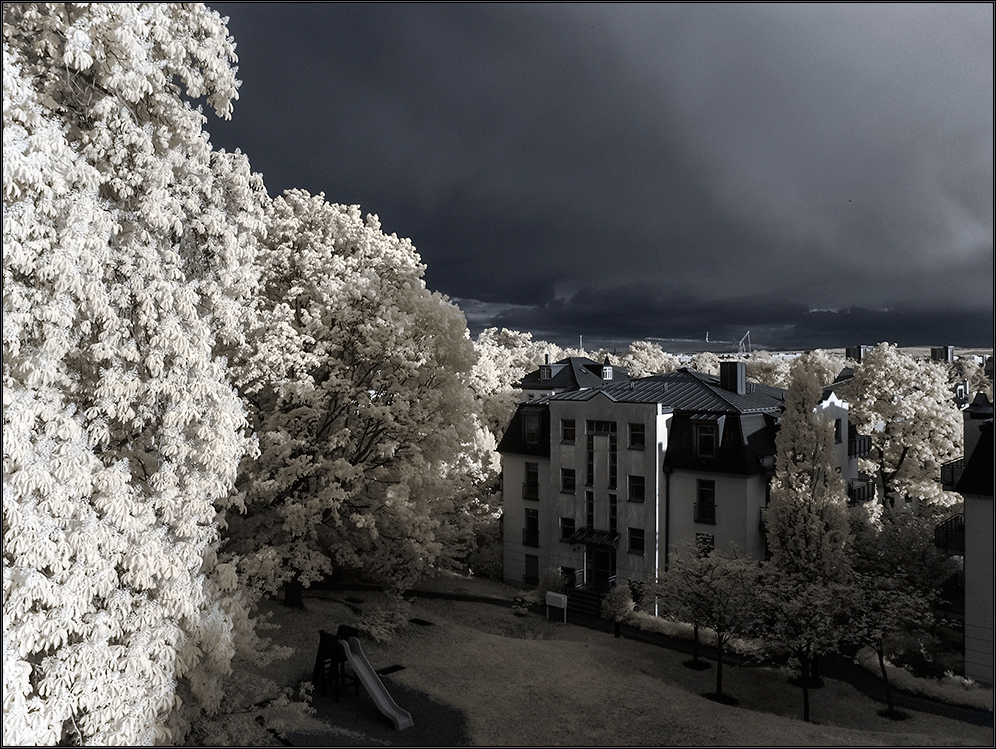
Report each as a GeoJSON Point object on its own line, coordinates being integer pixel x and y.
{"type": "Point", "coordinates": [860, 491]}
{"type": "Point", "coordinates": [705, 512]}
{"type": "Point", "coordinates": [951, 473]}
{"type": "Point", "coordinates": [858, 447]}
{"type": "Point", "coordinates": [949, 536]}
{"type": "Point", "coordinates": [530, 491]}
{"type": "Point", "coordinates": [530, 537]}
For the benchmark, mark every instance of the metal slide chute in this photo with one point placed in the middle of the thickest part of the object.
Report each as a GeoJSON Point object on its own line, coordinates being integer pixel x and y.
{"type": "Point", "coordinates": [375, 687]}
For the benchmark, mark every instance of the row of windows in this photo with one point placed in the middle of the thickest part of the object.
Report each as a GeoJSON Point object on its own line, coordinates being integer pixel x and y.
{"type": "Point", "coordinates": [705, 504]}
{"type": "Point", "coordinates": [637, 432]}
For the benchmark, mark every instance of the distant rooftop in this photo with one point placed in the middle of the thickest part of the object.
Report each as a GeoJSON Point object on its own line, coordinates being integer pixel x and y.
{"type": "Point", "coordinates": [572, 373]}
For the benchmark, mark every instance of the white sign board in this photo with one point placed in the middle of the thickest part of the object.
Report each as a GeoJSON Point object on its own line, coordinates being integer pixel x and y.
{"type": "Point", "coordinates": [557, 600]}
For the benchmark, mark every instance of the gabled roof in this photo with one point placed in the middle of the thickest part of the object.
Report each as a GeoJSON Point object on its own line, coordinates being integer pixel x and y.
{"type": "Point", "coordinates": [686, 390]}
{"type": "Point", "coordinates": [572, 373]}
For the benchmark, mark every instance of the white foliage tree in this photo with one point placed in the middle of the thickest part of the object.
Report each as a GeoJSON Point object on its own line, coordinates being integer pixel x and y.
{"type": "Point", "coordinates": [808, 527]}
{"type": "Point", "coordinates": [906, 407]}
{"type": "Point", "coordinates": [358, 381]}
{"type": "Point", "coordinates": [644, 358]}
{"type": "Point", "coordinates": [128, 254]}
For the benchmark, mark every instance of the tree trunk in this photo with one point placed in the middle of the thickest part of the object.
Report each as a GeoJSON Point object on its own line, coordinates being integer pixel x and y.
{"type": "Point", "coordinates": [616, 629]}
{"type": "Point", "coordinates": [695, 643]}
{"type": "Point", "coordinates": [885, 678]}
{"type": "Point", "coordinates": [294, 593]}
{"type": "Point", "coordinates": [719, 666]}
{"type": "Point", "coordinates": [804, 665]}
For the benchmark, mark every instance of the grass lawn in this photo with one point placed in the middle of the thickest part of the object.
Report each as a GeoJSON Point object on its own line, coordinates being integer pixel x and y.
{"type": "Point", "coordinates": [481, 674]}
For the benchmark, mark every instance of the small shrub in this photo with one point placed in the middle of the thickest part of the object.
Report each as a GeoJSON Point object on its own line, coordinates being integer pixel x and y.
{"type": "Point", "coordinates": [383, 622]}
{"type": "Point", "coordinates": [617, 606]}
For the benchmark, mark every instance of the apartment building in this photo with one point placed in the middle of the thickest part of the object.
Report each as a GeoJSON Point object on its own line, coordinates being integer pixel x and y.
{"type": "Point", "coordinates": [603, 482]}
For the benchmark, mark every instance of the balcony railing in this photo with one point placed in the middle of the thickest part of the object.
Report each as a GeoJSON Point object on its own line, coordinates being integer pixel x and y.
{"type": "Point", "coordinates": [530, 537]}
{"type": "Point", "coordinates": [705, 512]}
{"type": "Point", "coordinates": [858, 447]}
{"type": "Point", "coordinates": [530, 491]}
{"type": "Point", "coordinates": [951, 473]}
{"type": "Point", "coordinates": [860, 491]}
{"type": "Point", "coordinates": [949, 536]}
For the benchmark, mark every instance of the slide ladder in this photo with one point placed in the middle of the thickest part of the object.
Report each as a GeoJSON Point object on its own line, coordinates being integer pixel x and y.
{"type": "Point", "coordinates": [375, 687]}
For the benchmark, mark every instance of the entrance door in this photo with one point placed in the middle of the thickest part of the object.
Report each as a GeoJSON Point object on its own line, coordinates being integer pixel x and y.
{"type": "Point", "coordinates": [600, 566]}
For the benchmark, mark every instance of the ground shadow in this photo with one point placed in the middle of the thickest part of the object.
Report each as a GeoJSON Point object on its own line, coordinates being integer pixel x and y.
{"type": "Point", "coordinates": [722, 699]}
{"type": "Point", "coordinates": [356, 721]}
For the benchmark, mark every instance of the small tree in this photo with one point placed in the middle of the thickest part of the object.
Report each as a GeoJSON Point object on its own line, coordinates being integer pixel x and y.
{"type": "Point", "coordinates": [645, 358]}
{"type": "Point", "coordinates": [882, 612]}
{"type": "Point", "coordinates": [618, 606]}
{"type": "Point", "coordinates": [714, 591]}
{"type": "Point", "coordinates": [806, 617]}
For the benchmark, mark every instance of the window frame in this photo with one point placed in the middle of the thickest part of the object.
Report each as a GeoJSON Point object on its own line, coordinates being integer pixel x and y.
{"type": "Point", "coordinates": [634, 535]}
{"type": "Point", "coordinates": [568, 431]}
{"type": "Point", "coordinates": [705, 488]}
{"type": "Point", "coordinates": [704, 433]}
{"type": "Point", "coordinates": [630, 485]}
{"type": "Point", "coordinates": [568, 481]}
{"type": "Point", "coordinates": [637, 428]}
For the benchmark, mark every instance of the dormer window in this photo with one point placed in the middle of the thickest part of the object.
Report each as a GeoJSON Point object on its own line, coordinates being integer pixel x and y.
{"type": "Point", "coordinates": [606, 373]}
{"type": "Point", "coordinates": [546, 373]}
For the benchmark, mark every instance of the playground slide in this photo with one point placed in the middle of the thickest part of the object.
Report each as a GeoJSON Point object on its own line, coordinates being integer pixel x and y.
{"type": "Point", "coordinates": [375, 687]}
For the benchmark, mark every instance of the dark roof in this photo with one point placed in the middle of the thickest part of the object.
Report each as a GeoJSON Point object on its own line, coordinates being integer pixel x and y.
{"type": "Point", "coordinates": [980, 408]}
{"type": "Point", "coordinates": [977, 478]}
{"type": "Point", "coordinates": [514, 439]}
{"type": "Point", "coordinates": [572, 373]}
{"type": "Point", "coordinates": [686, 390]}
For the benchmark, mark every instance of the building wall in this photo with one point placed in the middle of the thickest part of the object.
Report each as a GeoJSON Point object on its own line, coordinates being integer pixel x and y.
{"type": "Point", "coordinates": [514, 515]}
{"type": "Point", "coordinates": [979, 588]}
{"type": "Point", "coordinates": [836, 409]}
{"type": "Point", "coordinates": [739, 500]}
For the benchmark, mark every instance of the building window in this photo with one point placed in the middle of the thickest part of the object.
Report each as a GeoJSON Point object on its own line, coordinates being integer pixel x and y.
{"type": "Point", "coordinates": [531, 429]}
{"type": "Point", "coordinates": [613, 459]}
{"type": "Point", "coordinates": [589, 509]}
{"type": "Point", "coordinates": [705, 506]}
{"type": "Point", "coordinates": [637, 437]}
{"type": "Point", "coordinates": [837, 431]}
{"type": "Point", "coordinates": [567, 480]}
{"type": "Point", "coordinates": [637, 489]}
{"type": "Point", "coordinates": [589, 476]}
{"type": "Point", "coordinates": [532, 569]}
{"type": "Point", "coordinates": [606, 373]}
{"type": "Point", "coordinates": [530, 487]}
{"type": "Point", "coordinates": [567, 430]}
{"type": "Point", "coordinates": [567, 528]}
{"type": "Point", "coordinates": [546, 372]}
{"type": "Point", "coordinates": [636, 541]}
{"type": "Point", "coordinates": [530, 534]}
{"type": "Point", "coordinates": [705, 440]}
{"type": "Point", "coordinates": [613, 513]}
{"type": "Point", "coordinates": [600, 427]}
{"type": "Point", "coordinates": [704, 544]}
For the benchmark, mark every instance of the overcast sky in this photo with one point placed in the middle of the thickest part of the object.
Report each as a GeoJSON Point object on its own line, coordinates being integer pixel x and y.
{"type": "Point", "coordinates": [820, 175]}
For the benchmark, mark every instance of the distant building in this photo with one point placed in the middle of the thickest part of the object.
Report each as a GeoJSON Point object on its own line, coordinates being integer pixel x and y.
{"type": "Point", "coordinates": [572, 373]}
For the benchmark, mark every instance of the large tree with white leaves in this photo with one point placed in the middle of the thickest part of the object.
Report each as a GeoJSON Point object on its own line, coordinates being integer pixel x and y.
{"type": "Point", "coordinates": [128, 249]}
{"type": "Point", "coordinates": [907, 409]}
{"type": "Point", "coordinates": [357, 376]}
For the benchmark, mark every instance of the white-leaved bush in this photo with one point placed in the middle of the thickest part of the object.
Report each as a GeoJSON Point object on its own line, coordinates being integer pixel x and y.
{"type": "Point", "coordinates": [128, 260]}
{"type": "Point", "coordinates": [357, 376]}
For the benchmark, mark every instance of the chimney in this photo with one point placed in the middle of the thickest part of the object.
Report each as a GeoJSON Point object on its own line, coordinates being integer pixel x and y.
{"type": "Point", "coordinates": [733, 376]}
{"type": "Point", "coordinates": [854, 352]}
{"type": "Point", "coordinates": [546, 359]}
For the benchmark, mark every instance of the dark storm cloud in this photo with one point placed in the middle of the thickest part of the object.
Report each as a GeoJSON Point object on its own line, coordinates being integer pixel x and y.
{"type": "Point", "coordinates": [623, 171]}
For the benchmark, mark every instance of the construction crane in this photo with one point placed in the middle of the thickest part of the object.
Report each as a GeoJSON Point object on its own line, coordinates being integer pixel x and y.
{"type": "Point", "coordinates": [743, 345]}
